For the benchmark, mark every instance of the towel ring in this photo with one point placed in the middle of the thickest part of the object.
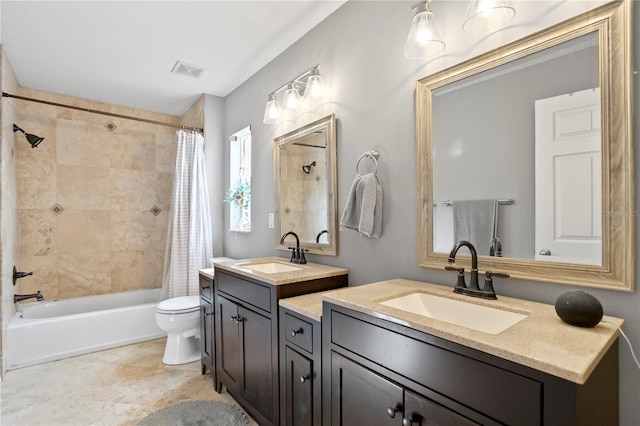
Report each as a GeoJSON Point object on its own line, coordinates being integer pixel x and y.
{"type": "Point", "coordinates": [373, 155]}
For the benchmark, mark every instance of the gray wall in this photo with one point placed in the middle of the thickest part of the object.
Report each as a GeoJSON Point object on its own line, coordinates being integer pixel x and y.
{"type": "Point", "coordinates": [360, 49]}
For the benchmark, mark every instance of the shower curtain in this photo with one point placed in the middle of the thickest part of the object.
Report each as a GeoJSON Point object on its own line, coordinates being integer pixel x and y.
{"type": "Point", "coordinates": [189, 241]}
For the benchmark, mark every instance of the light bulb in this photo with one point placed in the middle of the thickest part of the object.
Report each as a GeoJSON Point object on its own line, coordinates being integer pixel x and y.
{"type": "Point", "coordinates": [315, 86]}
{"type": "Point", "coordinates": [424, 40]}
{"type": "Point", "coordinates": [271, 111]}
{"type": "Point", "coordinates": [291, 97]}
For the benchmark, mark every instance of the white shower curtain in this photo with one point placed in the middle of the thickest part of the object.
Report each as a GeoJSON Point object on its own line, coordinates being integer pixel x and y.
{"type": "Point", "coordinates": [189, 240]}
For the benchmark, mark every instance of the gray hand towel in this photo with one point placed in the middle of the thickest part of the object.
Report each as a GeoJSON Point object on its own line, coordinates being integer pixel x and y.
{"type": "Point", "coordinates": [363, 211]}
{"type": "Point", "coordinates": [477, 222]}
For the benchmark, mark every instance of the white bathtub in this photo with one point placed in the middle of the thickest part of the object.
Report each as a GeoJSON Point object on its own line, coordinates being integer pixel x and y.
{"type": "Point", "coordinates": [47, 331]}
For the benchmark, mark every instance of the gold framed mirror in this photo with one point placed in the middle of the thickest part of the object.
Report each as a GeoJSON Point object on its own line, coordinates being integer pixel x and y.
{"type": "Point", "coordinates": [497, 153]}
{"type": "Point", "coordinates": [305, 182]}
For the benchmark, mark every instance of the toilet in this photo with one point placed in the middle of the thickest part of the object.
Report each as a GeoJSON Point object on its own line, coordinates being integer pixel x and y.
{"type": "Point", "coordinates": [180, 318]}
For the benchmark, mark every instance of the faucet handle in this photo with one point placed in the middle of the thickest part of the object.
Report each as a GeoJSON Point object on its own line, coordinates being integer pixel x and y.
{"type": "Point", "coordinates": [488, 291]}
{"type": "Point", "coordinates": [302, 260]}
{"type": "Point", "coordinates": [461, 286]}
{"type": "Point", "coordinates": [490, 274]}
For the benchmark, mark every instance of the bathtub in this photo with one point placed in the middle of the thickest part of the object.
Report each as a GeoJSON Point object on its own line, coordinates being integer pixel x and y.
{"type": "Point", "coordinates": [47, 331]}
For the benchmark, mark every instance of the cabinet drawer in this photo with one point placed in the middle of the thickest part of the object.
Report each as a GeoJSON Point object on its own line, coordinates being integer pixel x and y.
{"type": "Point", "coordinates": [247, 291]}
{"type": "Point", "coordinates": [298, 332]}
{"type": "Point", "coordinates": [206, 288]}
{"type": "Point", "coordinates": [507, 397]}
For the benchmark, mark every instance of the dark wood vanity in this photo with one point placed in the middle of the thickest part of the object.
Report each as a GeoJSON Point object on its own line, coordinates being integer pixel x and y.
{"type": "Point", "coordinates": [378, 372]}
{"type": "Point", "coordinates": [291, 353]}
{"type": "Point", "coordinates": [247, 330]}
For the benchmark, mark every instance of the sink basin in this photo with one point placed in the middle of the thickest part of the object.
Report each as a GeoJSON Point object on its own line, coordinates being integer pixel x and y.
{"type": "Point", "coordinates": [469, 315]}
{"type": "Point", "coordinates": [271, 267]}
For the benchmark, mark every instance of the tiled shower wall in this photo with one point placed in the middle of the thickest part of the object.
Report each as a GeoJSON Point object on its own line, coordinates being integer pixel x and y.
{"type": "Point", "coordinates": [93, 202]}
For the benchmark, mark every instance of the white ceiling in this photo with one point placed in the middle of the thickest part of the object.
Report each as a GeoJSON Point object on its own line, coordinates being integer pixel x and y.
{"type": "Point", "coordinates": [122, 52]}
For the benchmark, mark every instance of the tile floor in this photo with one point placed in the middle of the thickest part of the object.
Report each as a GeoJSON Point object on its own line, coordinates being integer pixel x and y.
{"type": "Point", "coordinates": [118, 386]}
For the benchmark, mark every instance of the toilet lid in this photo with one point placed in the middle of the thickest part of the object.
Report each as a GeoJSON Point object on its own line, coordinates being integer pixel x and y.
{"type": "Point", "coordinates": [179, 305]}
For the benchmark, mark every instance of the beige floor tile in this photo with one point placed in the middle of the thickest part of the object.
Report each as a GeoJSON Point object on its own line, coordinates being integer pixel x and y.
{"type": "Point", "coordinates": [118, 386]}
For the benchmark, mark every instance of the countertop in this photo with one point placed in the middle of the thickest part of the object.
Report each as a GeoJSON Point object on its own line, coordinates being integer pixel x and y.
{"type": "Point", "coordinates": [308, 305]}
{"type": "Point", "coordinates": [541, 341]}
{"type": "Point", "coordinates": [306, 272]}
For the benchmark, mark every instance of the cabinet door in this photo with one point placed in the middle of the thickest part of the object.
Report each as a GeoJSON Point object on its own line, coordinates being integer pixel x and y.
{"type": "Point", "coordinates": [257, 360]}
{"type": "Point", "coordinates": [229, 340]}
{"type": "Point", "coordinates": [299, 389]}
{"type": "Point", "coordinates": [362, 397]}
{"type": "Point", "coordinates": [419, 411]}
{"type": "Point", "coordinates": [206, 335]}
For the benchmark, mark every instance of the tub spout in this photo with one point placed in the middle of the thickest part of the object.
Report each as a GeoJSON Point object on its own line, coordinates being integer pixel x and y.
{"type": "Point", "coordinates": [20, 297]}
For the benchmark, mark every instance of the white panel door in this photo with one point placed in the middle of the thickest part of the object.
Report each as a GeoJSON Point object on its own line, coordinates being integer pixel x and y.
{"type": "Point", "coordinates": [568, 178]}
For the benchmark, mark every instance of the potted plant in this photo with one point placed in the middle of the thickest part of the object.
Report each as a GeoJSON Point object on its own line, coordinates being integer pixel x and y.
{"type": "Point", "coordinates": [240, 196]}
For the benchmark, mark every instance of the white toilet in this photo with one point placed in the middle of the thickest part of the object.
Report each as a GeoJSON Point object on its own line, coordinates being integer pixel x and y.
{"type": "Point", "coordinates": [180, 318]}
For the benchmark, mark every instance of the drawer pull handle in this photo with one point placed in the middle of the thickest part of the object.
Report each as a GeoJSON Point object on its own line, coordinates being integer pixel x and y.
{"type": "Point", "coordinates": [296, 332]}
{"type": "Point", "coordinates": [237, 318]}
{"type": "Point", "coordinates": [305, 378]}
{"type": "Point", "coordinates": [205, 288]}
{"type": "Point", "coordinates": [391, 412]}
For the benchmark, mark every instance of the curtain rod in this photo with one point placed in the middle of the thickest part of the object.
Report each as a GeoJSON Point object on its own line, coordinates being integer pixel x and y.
{"type": "Point", "coordinates": [93, 111]}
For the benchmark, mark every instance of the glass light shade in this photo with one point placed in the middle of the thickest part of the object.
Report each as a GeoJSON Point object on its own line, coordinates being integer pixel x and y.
{"type": "Point", "coordinates": [315, 87]}
{"type": "Point", "coordinates": [272, 111]}
{"type": "Point", "coordinates": [424, 39]}
{"type": "Point", "coordinates": [291, 97]}
{"type": "Point", "coordinates": [488, 15]}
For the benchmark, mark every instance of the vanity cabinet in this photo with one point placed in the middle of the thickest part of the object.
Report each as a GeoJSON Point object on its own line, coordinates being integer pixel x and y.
{"type": "Point", "coordinates": [207, 343]}
{"type": "Point", "coordinates": [247, 337]}
{"type": "Point", "coordinates": [377, 372]}
{"type": "Point", "coordinates": [300, 369]}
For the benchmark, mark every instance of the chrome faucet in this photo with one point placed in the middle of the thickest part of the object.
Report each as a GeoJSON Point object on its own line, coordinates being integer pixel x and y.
{"type": "Point", "coordinates": [297, 254]}
{"type": "Point", "coordinates": [495, 249]}
{"type": "Point", "coordinates": [20, 297]}
{"type": "Point", "coordinates": [487, 291]}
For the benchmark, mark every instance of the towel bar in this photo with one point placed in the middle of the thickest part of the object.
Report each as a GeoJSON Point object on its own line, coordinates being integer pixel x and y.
{"type": "Point", "coordinates": [505, 202]}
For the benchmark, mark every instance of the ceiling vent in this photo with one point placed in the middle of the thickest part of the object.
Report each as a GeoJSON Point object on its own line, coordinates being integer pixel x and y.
{"type": "Point", "coordinates": [188, 69]}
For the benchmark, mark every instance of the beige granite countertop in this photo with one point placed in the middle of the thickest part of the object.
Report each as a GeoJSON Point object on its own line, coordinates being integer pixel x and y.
{"type": "Point", "coordinates": [306, 272]}
{"type": "Point", "coordinates": [308, 305]}
{"type": "Point", "coordinates": [541, 341]}
{"type": "Point", "coordinates": [208, 272]}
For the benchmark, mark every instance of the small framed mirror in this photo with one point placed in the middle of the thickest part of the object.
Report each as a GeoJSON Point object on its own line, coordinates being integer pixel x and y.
{"type": "Point", "coordinates": [542, 129]}
{"type": "Point", "coordinates": [305, 182]}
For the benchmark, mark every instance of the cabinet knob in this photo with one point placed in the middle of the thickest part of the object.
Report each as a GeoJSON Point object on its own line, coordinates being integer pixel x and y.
{"type": "Point", "coordinates": [391, 412]}
{"type": "Point", "coordinates": [305, 378]}
{"type": "Point", "coordinates": [237, 318]}
{"type": "Point", "coordinates": [296, 332]}
{"type": "Point", "coordinates": [407, 421]}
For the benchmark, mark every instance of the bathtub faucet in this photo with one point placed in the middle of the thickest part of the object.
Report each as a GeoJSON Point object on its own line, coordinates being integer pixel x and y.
{"type": "Point", "coordinates": [20, 297]}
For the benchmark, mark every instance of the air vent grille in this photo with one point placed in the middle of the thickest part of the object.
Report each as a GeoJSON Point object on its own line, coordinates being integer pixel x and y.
{"type": "Point", "coordinates": [190, 70]}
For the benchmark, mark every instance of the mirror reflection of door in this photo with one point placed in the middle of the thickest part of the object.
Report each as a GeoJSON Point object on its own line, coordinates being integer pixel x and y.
{"type": "Point", "coordinates": [568, 178]}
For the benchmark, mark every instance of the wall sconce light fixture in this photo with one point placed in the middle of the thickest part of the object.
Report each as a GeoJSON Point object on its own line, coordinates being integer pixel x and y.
{"type": "Point", "coordinates": [307, 86]}
{"type": "Point", "coordinates": [488, 15]}
{"type": "Point", "coordinates": [32, 139]}
{"type": "Point", "coordinates": [425, 41]}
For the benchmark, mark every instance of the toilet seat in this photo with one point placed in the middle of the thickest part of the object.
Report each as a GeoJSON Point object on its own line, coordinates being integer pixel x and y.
{"type": "Point", "coordinates": [179, 305]}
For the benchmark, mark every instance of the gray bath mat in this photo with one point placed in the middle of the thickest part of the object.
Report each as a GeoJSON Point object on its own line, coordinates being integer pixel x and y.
{"type": "Point", "coordinates": [195, 413]}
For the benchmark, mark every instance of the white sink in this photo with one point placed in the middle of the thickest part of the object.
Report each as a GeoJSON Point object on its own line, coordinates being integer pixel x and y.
{"type": "Point", "coordinates": [469, 315]}
{"type": "Point", "coordinates": [271, 267]}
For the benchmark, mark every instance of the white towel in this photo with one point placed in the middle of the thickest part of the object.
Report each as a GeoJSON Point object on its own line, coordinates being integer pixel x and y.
{"type": "Point", "coordinates": [363, 211]}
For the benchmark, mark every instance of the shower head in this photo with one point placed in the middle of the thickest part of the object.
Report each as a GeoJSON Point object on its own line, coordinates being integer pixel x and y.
{"type": "Point", "coordinates": [307, 168]}
{"type": "Point", "coordinates": [32, 139]}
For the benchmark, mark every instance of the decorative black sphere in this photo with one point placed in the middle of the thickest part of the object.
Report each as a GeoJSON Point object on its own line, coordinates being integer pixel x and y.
{"type": "Point", "coordinates": [579, 308]}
